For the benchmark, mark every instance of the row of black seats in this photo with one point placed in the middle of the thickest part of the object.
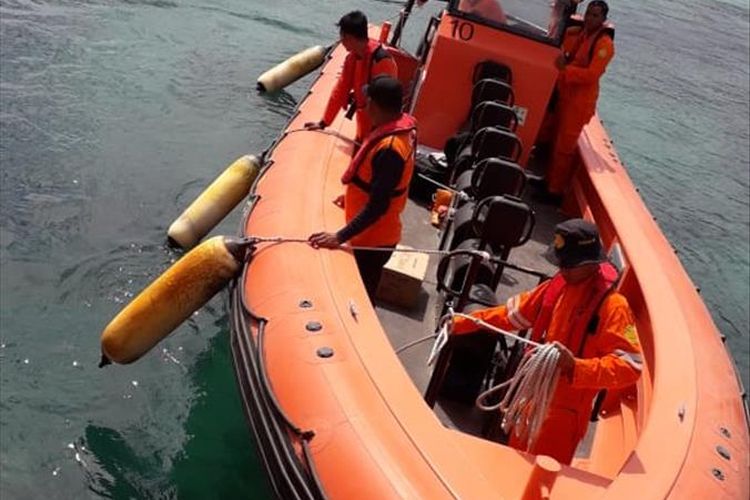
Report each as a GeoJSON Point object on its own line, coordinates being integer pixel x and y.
{"type": "Point", "coordinates": [484, 166]}
{"type": "Point", "coordinates": [483, 162]}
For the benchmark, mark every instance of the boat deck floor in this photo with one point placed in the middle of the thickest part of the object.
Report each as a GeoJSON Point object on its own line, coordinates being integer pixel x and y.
{"type": "Point", "coordinates": [407, 325]}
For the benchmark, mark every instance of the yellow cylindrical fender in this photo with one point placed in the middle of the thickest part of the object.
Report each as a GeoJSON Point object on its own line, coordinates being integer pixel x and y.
{"type": "Point", "coordinates": [292, 69]}
{"type": "Point", "coordinates": [172, 298]}
{"type": "Point", "coordinates": [214, 203]}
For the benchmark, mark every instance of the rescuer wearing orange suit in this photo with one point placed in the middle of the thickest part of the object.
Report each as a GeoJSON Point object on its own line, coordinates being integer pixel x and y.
{"type": "Point", "coordinates": [365, 60]}
{"type": "Point", "coordinates": [377, 183]}
{"type": "Point", "coordinates": [591, 325]}
{"type": "Point", "coordinates": [587, 51]}
{"type": "Point", "coordinates": [488, 9]}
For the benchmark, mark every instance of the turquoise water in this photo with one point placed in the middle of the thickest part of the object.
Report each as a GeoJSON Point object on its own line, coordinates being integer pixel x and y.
{"type": "Point", "coordinates": [115, 114]}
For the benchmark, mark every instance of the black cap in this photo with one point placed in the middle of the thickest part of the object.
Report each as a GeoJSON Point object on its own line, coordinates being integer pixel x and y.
{"type": "Point", "coordinates": [386, 92]}
{"type": "Point", "coordinates": [576, 243]}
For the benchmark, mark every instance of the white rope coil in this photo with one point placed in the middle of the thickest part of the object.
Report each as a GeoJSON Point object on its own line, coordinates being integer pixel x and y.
{"type": "Point", "coordinates": [528, 392]}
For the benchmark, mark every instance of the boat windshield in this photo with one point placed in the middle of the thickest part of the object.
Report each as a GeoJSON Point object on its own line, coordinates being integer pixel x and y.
{"type": "Point", "coordinates": [538, 19]}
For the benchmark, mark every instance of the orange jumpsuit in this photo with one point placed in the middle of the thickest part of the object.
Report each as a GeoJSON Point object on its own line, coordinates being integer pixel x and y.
{"type": "Point", "coordinates": [488, 9]}
{"type": "Point", "coordinates": [610, 358]}
{"type": "Point", "coordinates": [355, 74]}
{"type": "Point", "coordinates": [399, 136]}
{"type": "Point", "coordinates": [578, 89]}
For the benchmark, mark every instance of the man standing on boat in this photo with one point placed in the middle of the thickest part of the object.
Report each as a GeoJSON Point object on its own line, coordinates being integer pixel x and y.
{"type": "Point", "coordinates": [365, 60]}
{"type": "Point", "coordinates": [488, 9]}
{"type": "Point", "coordinates": [587, 50]}
{"type": "Point", "coordinates": [377, 183]}
{"type": "Point", "coordinates": [591, 324]}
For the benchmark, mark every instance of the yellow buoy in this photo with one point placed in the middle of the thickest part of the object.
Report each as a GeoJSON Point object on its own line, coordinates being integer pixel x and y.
{"type": "Point", "coordinates": [214, 203]}
{"type": "Point", "coordinates": [292, 69]}
{"type": "Point", "coordinates": [172, 298]}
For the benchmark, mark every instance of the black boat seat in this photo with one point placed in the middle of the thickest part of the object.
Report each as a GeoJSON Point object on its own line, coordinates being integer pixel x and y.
{"type": "Point", "coordinates": [492, 90]}
{"type": "Point", "coordinates": [499, 221]}
{"type": "Point", "coordinates": [493, 114]}
{"type": "Point", "coordinates": [470, 359]}
{"type": "Point", "coordinates": [493, 142]}
{"type": "Point", "coordinates": [465, 224]}
{"type": "Point", "coordinates": [492, 69]}
{"type": "Point", "coordinates": [458, 266]}
{"type": "Point", "coordinates": [488, 142]}
{"type": "Point", "coordinates": [481, 296]}
{"type": "Point", "coordinates": [465, 360]}
{"type": "Point", "coordinates": [492, 177]}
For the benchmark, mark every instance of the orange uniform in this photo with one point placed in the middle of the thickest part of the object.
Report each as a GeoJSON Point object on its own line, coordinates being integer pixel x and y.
{"type": "Point", "coordinates": [578, 90]}
{"type": "Point", "coordinates": [399, 137]}
{"type": "Point", "coordinates": [608, 358]}
{"type": "Point", "coordinates": [488, 9]}
{"type": "Point", "coordinates": [355, 74]}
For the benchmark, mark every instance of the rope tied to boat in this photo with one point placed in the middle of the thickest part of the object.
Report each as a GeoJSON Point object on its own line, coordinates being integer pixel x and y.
{"type": "Point", "coordinates": [461, 194]}
{"type": "Point", "coordinates": [252, 240]}
{"type": "Point", "coordinates": [528, 392]}
{"type": "Point", "coordinates": [325, 131]}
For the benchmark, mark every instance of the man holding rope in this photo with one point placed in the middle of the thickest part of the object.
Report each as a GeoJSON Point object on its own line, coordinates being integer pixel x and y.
{"type": "Point", "coordinates": [377, 183]}
{"type": "Point", "coordinates": [591, 325]}
{"type": "Point", "coordinates": [365, 60]}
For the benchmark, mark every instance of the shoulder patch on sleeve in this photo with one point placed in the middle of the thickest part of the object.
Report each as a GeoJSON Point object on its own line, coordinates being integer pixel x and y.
{"type": "Point", "coordinates": [630, 334]}
{"type": "Point", "coordinates": [602, 53]}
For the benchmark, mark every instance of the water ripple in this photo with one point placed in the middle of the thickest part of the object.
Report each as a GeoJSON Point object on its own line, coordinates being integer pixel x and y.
{"type": "Point", "coordinates": [117, 274]}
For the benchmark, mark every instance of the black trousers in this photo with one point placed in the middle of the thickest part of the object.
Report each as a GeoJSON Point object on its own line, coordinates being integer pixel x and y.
{"type": "Point", "coordinates": [370, 264]}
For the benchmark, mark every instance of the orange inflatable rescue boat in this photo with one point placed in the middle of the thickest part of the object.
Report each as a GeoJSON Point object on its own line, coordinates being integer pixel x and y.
{"type": "Point", "coordinates": [338, 393]}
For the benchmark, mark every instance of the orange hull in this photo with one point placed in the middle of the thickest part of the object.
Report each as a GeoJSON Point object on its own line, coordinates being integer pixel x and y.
{"type": "Point", "coordinates": [334, 411]}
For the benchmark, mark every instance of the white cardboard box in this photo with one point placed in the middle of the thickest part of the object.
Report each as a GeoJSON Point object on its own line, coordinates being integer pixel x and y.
{"type": "Point", "coordinates": [402, 278]}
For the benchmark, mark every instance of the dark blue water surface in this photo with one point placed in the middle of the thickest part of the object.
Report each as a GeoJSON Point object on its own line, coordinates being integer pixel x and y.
{"type": "Point", "coordinates": [114, 114]}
